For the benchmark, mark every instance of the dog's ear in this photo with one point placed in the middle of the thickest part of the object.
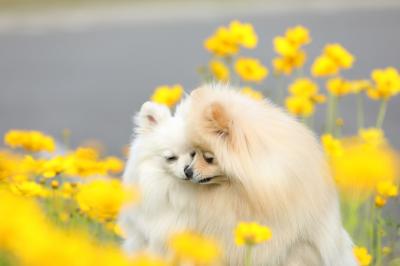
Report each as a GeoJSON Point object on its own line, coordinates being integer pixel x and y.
{"type": "Point", "coordinates": [149, 116]}
{"type": "Point", "coordinates": [218, 119]}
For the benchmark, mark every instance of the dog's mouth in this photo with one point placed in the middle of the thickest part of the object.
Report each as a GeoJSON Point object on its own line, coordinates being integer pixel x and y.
{"type": "Point", "coordinates": [205, 180]}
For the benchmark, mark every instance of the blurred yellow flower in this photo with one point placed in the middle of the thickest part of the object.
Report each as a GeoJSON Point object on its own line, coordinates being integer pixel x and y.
{"type": "Point", "coordinates": [33, 141]}
{"type": "Point", "coordinates": [254, 94]}
{"type": "Point", "coordinates": [284, 47]}
{"type": "Point", "coordinates": [28, 189]}
{"type": "Point", "coordinates": [380, 201]}
{"type": "Point", "coordinates": [386, 84]}
{"type": "Point", "coordinates": [358, 86]}
{"type": "Point", "coordinates": [332, 147]}
{"type": "Point", "coordinates": [372, 136]}
{"type": "Point", "coordinates": [363, 166]}
{"type": "Point", "coordinates": [250, 69]}
{"type": "Point", "coordinates": [299, 106]}
{"type": "Point", "coordinates": [243, 34]}
{"type": "Point", "coordinates": [324, 66]}
{"type": "Point", "coordinates": [340, 55]}
{"type": "Point", "coordinates": [298, 35]}
{"type": "Point", "coordinates": [219, 70]}
{"type": "Point", "coordinates": [222, 43]}
{"type": "Point", "coordinates": [251, 234]}
{"type": "Point", "coordinates": [338, 86]}
{"type": "Point", "coordinates": [333, 59]}
{"type": "Point", "coordinates": [304, 87]}
{"type": "Point", "coordinates": [362, 256]}
{"type": "Point", "coordinates": [387, 189]}
{"type": "Point", "coordinates": [101, 199]}
{"type": "Point", "coordinates": [286, 65]}
{"type": "Point", "coordinates": [168, 95]}
{"type": "Point", "coordinates": [193, 248]}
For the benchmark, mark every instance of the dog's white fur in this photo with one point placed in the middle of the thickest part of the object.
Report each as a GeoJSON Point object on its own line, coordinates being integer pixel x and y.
{"type": "Point", "coordinates": [273, 172]}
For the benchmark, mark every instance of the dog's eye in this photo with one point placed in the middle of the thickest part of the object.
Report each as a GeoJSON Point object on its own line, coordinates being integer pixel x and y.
{"type": "Point", "coordinates": [171, 159]}
{"type": "Point", "coordinates": [192, 154]}
{"type": "Point", "coordinates": [209, 158]}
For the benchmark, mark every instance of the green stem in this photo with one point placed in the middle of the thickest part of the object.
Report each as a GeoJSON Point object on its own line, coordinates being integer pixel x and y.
{"type": "Point", "coordinates": [331, 113]}
{"type": "Point", "coordinates": [360, 110]}
{"type": "Point", "coordinates": [381, 114]}
{"type": "Point", "coordinates": [280, 90]}
{"type": "Point", "coordinates": [247, 258]}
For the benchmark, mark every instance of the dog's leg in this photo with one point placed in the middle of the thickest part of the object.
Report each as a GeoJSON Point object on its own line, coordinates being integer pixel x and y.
{"type": "Point", "coordinates": [303, 254]}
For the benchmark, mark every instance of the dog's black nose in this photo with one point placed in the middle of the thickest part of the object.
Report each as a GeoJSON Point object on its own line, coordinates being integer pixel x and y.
{"type": "Point", "coordinates": [188, 171]}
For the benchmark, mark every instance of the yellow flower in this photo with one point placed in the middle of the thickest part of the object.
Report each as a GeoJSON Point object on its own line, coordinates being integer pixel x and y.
{"type": "Point", "coordinates": [299, 106]}
{"type": "Point", "coordinates": [168, 95]}
{"type": "Point", "coordinates": [250, 69]}
{"type": "Point", "coordinates": [243, 34]}
{"type": "Point", "coordinates": [333, 59]}
{"type": "Point", "coordinates": [113, 164]}
{"type": "Point", "coordinates": [284, 47]}
{"type": "Point", "coordinates": [303, 87]}
{"type": "Point", "coordinates": [251, 234]}
{"type": "Point", "coordinates": [256, 95]}
{"type": "Point", "coordinates": [386, 84]}
{"type": "Point", "coordinates": [219, 70]}
{"type": "Point", "coordinates": [360, 85]}
{"type": "Point", "coordinates": [338, 86]}
{"type": "Point", "coordinates": [380, 201]}
{"type": "Point", "coordinates": [332, 146]}
{"type": "Point", "coordinates": [372, 136]}
{"type": "Point", "coordinates": [362, 256]}
{"type": "Point", "coordinates": [340, 55]}
{"type": "Point", "coordinates": [298, 35]}
{"type": "Point", "coordinates": [222, 43]}
{"type": "Point", "coordinates": [33, 141]}
{"type": "Point", "coordinates": [191, 247]}
{"type": "Point", "coordinates": [286, 64]}
{"type": "Point", "coordinates": [28, 189]}
{"type": "Point", "coordinates": [324, 66]}
{"type": "Point", "coordinates": [387, 189]}
{"type": "Point", "coordinates": [363, 166]}
{"type": "Point", "coordinates": [102, 199]}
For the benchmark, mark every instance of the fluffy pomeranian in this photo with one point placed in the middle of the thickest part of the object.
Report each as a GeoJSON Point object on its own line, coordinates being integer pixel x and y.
{"type": "Point", "coordinates": [160, 156]}
{"type": "Point", "coordinates": [260, 164]}
{"type": "Point", "coordinates": [225, 158]}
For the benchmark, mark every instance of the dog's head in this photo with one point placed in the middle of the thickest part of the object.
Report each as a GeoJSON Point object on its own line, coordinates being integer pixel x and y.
{"type": "Point", "coordinates": [162, 140]}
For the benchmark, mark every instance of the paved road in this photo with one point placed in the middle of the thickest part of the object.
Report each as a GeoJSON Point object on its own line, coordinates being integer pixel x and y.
{"type": "Point", "coordinates": [92, 80]}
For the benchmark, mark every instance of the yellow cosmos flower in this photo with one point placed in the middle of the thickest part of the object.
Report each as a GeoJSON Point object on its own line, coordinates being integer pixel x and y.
{"type": "Point", "coordinates": [168, 95]}
{"type": "Point", "coordinates": [28, 189]}
{"type": "Point", "coordinates": [299, 106]}
{"type": "Point", "coordinates": [304, 87]}
{"type": "Point", "coordinates": [298, 35]}
{"type": "Point", "coordinates": [360, 85]}
{"type": "Point", "coordinates": [222, 43]}
{"type": "Point", "coordinates": [362, 256]}
{"type": "Point", "coordinates": [324, 66]}
{"type": "Point", "coordinates": [338, 86]}
{"type": "Point", "coordinates": [362, 166]}
{"type": "Point", "coordinates": [284, 47]}
{"type": "Point", "coordinates": [219, 70]}
{"type": "Point", "coordinates": [380, 201]}
{"type": "Point", "coordinates": [102, 199]}
{"type": "Point", "coordinates": [243, 34]}
{"type": "Point", "coordinates": [332, 147]}
{"type": "Point", "coordinates": [254, 94]}
{"type": "Point", "coordinates": [193, 248]}
{"type": "Point", "coordinates": [286, 65]}
{"type": "Point", "coordinates": [372, 136]}
{"type": "Point", "coordinates": [386, 84]}
{"type": "Point", "coordinates": [333, 59]}
{"type": "Point", "coordinates": [340, 55]}
{"type": "Point", "coordinates": [387, 189]}
{"type": "Point", "coordinates": [33, 141]}
{"type": "Point", "coordinates": [251, 234]}
{"type": "Point", "coordinates": [250, 69]}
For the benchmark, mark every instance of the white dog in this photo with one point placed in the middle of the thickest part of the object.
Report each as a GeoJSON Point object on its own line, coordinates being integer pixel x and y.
{"type": "Point", "coordinates": [224, 158]}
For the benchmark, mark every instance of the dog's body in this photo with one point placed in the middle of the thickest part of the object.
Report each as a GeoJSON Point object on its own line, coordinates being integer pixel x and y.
{"type": "Point", "coordinates": [268, 168]}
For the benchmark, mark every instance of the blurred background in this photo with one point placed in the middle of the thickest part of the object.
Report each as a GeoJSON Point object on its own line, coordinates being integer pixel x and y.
{"type": "Point", "coordinates": [87, 66]}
